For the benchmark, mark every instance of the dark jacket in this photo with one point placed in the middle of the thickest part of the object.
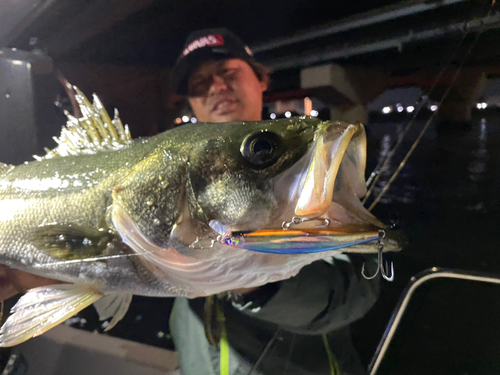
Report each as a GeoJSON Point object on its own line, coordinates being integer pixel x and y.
{"type": "Point", "coordinates": [322, 299]}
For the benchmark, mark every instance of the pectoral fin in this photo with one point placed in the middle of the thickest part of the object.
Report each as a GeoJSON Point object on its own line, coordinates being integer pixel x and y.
{"type": "Point", "coordinates": [70, 241]}
{"type": "Point", "coordinates": [43, 308]}
{"type": "Point", "coordinates": [113, 305]}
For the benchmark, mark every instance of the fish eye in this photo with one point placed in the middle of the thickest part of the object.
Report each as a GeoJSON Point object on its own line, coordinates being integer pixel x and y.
{"type": "Point", "coordinates": [262, 149]}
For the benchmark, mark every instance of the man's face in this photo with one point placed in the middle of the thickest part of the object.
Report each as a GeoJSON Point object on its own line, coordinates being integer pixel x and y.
{"type": "Point", "coordinates": [226, 90]}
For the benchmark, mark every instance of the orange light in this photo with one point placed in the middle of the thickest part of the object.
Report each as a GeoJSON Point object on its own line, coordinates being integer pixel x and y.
{"type": "Point", "coordinates": [308, 106]}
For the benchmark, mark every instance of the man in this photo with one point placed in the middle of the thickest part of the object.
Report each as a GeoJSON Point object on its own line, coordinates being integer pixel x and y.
{"type": "Point", "coordinates": [228, 85]}
{"type": "Point", "coordinates": [287, 327]}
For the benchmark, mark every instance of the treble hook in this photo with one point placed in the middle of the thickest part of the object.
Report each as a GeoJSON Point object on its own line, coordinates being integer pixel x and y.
{"type": "Point", "coordinates": [386, 271]}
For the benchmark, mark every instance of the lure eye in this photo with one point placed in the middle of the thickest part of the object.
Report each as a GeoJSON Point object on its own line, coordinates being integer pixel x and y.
{"type": "Point", "coordinates": [262, 149]}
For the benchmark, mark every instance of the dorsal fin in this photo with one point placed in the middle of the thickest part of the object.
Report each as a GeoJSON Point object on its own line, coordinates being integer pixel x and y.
{"type": "Point", "coordinates": [93, 132]}
{"type": "Point", "coordinates": [4, 168]}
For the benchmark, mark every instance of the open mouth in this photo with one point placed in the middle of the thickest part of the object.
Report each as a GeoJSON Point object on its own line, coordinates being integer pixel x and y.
{"type": "Point", "coordinates": [322, 194]}
{"type": "Point", "coordinates": [318, 215]}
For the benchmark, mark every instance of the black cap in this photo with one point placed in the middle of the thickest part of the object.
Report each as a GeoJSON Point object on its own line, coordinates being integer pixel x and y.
{"type": "Point", "coordinates": [204, 45]}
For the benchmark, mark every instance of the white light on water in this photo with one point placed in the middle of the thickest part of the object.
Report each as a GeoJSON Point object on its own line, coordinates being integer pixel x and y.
{"type": "Point", "coordinates": [433, 107]}
{"type": "Point", "coordinates": [314, 113]}
{"type": "Point", "coordinates": [185, 118]}
{"type": "Point", "coordinates": [272, 116]}
{"type": "Point", "coordinates": [386, 110]}
{"type": "Point", "coordinates": [194, 120]}
{"type": "Point", "coordinates": [484, 105]}
{"type": "Point", "coordinates": [478, 105]}
{"type": "Point", "coordinates": [400, 108]}
{"type": "Point", "coordinates": [410, 109]}
{"type": "Point", "coordinates": [288, 114]}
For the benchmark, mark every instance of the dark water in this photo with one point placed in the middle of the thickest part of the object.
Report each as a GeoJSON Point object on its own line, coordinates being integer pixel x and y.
{"type": "Point", "coordinates": [445, 199]}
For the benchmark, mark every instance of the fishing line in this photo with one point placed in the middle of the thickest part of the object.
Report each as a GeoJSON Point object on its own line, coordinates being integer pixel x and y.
{"type": "Point", "coordinates": [389, 156]}
{"type": "Point", "coordinates": [289, 354]}
{"type": "Point", "coordinates": [264, 352]}
{"type": "Point", "coordinates": [384, 161]}
{"type": "Point", "coordinates": [91, 259]}
{"type": "Point", "coordinates": [417, 141]}
{"type": "Point", "coordinates": [382, 164]}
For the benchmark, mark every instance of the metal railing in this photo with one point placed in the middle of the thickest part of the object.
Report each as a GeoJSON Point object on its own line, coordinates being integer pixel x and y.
{"type": "Point", "coordinates": [416, 282]}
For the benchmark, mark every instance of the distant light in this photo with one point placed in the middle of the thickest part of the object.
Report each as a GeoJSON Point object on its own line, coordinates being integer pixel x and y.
{"type": "Point", "coordinates": [308, 106]}
{"type": "Point", "coordinates": [288, 114]}
{"type": "Point", "coordinates": [479, 105]}
{"type": "Point", "coordinates": [194, 120]}
{"type": "Point", "coordinates": [178, 120]}
{"type": "Point", "coordinates": [185, 118]}
{"type": "Point", "coordinates": [484, 105]}
{"type": "Point", "coordinates": [14, 49]}
{"type": "Point", "coordinates": [272, 116]}
{"type": "Point", "coordinates": [314, 113]}
{"type": "Point", "coordinates": [410, 109]}
{"type": "Point", "coordinates": [386, 110]}
{"type": "Point", "coordinates": [433, 107]}
{"type": "Point", "coordinates": [400, 108]}
{"type": "Point", "coordinates": [17, 62]}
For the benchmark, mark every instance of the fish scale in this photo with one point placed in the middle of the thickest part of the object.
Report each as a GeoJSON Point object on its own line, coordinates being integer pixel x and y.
{"type": "Point", "coordinates": [116, 217]}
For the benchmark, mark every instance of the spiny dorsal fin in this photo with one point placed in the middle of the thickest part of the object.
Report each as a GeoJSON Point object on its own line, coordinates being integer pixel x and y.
{"type": "Point", "coordinates": [94, 132]}
{"type": "Point", "coordinates": [4, 168]}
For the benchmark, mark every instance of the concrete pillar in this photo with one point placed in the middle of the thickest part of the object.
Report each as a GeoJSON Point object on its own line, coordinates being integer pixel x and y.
{"type": "Point", "coordinates": [351, 114]}
{"type": "Point", "coordinates": [348, 89]}
{"type": "Point", "coordinates": [463, 96]}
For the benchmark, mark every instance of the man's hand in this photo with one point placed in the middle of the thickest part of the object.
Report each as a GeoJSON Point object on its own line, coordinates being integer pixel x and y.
{"type": "Point", "coordinates": [13, 281]}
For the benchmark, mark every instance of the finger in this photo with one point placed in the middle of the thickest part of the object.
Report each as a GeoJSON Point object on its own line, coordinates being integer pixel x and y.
{"type": "Point", "coordinates": [22, 281]}
{"type": "Point", "coordinates": [7, 289]}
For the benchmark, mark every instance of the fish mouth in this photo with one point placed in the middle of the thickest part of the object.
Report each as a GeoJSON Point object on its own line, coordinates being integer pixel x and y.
{"type": "Point", "coordinates": [321, 195]}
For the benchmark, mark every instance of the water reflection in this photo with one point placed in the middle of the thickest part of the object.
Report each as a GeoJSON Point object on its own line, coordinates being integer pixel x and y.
{"type": "Point", "coordinates": [384, 135]}
{"type": "Point", "coordinates": [437, 166]}
{"type": "Point", "coordinates": [448, 204]}
{"type": "Point", "coordinates": [477, 166]}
